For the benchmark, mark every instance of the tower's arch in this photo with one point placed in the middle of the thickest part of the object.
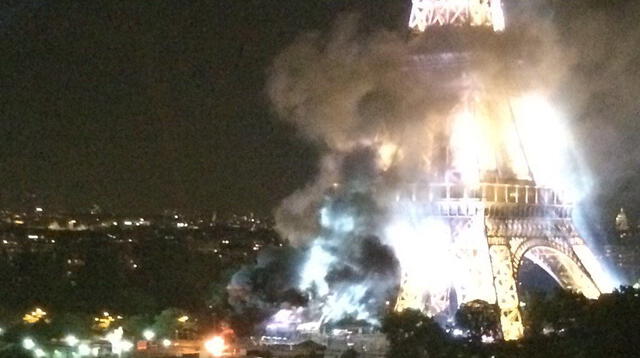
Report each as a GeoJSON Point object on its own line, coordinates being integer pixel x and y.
{"type": "Point", "coordinates": [560, 263]}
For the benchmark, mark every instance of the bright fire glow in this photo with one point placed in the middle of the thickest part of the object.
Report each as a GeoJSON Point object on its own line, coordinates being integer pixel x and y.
{"type": "Point", "coordinates": [215, 346]}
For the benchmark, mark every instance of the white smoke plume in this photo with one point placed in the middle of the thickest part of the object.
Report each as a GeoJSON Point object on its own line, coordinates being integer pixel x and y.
{"type": "Point", "coordinates": [381, 116]}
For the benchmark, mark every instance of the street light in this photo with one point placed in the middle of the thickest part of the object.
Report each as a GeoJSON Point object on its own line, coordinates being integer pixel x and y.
{"type": "Point", "coordinates": [148, 334]}
{"type": "Point", "coordinates": [71, 340]}
{"type": "Point", "coordinates": [28, 343]}
{"type": "Point", "coordinates": [84, 350]}
{"type": "Point", "coordinates": [183, 319]}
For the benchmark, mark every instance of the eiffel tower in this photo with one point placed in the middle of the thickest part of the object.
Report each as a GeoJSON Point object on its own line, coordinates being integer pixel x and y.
{"type": "Point", "coordinates": [503, 215]}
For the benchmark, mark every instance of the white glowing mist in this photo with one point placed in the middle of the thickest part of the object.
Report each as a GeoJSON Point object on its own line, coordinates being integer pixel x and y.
{"type": "Point", "coordinates": [343, 299]}
{"type": "Point", "coordinates": [436, 261]}
{"type": "Point", "coordinates": [547, 144]}
{"type": "Point", "coordinates": [423, 242]}
{"type": "Point", "coordinates": [554, 162]}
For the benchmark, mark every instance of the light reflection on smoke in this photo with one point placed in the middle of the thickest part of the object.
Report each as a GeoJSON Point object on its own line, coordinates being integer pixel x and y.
{"type": "Point", "coordinates": [350, 95]}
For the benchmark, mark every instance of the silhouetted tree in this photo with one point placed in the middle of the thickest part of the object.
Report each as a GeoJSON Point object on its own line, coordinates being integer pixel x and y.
{"type": "Point", "coordinates": [411, 334]}
{"type": "Point", "coordinates": [167, 324]}
{"type": "Point", "coordinates": [349, 353]}
{"type": "Point", "coordinates": [14, 351]}
{"type": "Point", "coordinates": [479, 318]}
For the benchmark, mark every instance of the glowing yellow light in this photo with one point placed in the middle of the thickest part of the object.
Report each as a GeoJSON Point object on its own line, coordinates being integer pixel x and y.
{"type": "Point", "coordinates": [105, 321]}
{"type": "Point", "coordinates": [387, 153]}
{"type": "Point", "coordinates": [183, 319]}
{"type": "Point", "coordinates": [215, 346]}
{"type": "Point", "coordinates": [34, 316]}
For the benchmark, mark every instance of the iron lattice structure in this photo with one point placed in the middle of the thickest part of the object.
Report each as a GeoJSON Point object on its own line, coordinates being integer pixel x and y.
{"type": "Point", "coordinates": [497, 221]}
{"type": "Point", "coordinates": [425, 13]}
{"type": "Point", "coordinates": [494, 226]}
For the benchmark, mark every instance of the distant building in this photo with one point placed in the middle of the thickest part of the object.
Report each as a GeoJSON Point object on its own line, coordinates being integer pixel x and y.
{"type": "Point", "coordinates": [624, 252]}
{"type": "Point", "coordinates": [626, 258]}
{"type": "Point", "coordinates": [622, 224]}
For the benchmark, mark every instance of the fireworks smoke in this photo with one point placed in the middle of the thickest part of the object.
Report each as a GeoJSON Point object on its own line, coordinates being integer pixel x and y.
{"type": "Point", "coordinates": [382, 122]}
{"type": "Point", "coordinates": [382, 119]}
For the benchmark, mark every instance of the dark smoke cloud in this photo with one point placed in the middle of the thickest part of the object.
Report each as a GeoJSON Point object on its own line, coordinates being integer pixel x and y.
{"type": "Point", "coordinates": [370, 259]}
{"type": "Point", "coordinates": [269, 283]}
{"type": "Point", "coordinates": [360, 256]}
{"type": "Point", "coordinates": [342, 90]}
{"type": "Point", "coordinates": [346, 88]}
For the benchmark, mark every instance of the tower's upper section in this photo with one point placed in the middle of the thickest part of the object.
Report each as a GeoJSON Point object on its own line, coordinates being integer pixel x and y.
{"type": "Point", "coordinates": [427, 13]}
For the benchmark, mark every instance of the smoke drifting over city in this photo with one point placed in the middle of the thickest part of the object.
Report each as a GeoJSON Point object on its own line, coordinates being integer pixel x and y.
{"type": "Point", "coordinates": [381, 122]}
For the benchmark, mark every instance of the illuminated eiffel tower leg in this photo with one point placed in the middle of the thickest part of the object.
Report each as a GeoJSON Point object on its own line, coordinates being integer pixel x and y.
{"type": "Point", "coordinates": [492, 232]}
{"type": "Point", "coordinates": [504, 283]}
{"type": "Point", "coordinates": [538, 226]}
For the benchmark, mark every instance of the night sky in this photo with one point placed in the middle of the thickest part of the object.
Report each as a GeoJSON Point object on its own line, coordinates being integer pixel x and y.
{"type": "Point", "coordinates": [141, 106]}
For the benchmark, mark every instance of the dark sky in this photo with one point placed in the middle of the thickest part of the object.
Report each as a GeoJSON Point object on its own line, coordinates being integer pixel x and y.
{"type": "Point", "coordinates": [145, 105]}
